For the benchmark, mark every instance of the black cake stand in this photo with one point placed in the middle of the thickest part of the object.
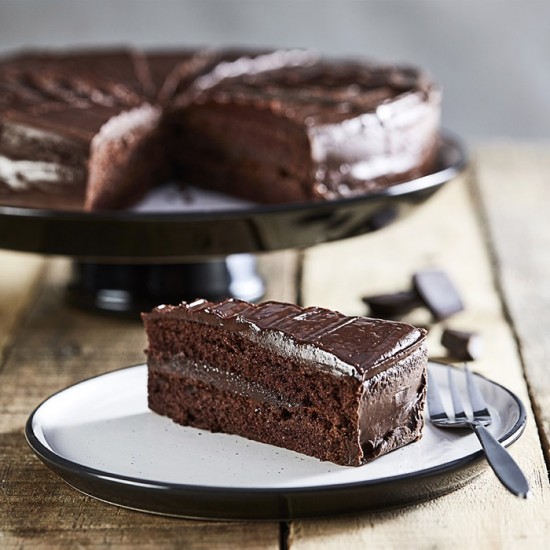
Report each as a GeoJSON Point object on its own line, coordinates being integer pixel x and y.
{"type": "Point", "coordinates": [128, 261]}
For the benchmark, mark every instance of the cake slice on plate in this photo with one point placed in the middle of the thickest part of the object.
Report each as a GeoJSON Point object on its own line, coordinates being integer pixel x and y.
{"type": "Point", "coordinates": [341, 389]}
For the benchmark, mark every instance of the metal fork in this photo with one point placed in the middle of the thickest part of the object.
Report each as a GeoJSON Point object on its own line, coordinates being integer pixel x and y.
{"type": "Point", "coordinates": [504, 466]}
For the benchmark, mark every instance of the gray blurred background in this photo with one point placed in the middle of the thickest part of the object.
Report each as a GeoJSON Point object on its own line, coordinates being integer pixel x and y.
{"type": "Point", "coordinates": [492, 57]}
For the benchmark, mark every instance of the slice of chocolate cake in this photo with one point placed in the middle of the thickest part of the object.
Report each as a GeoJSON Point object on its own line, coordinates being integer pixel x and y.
{"type": "Point", "coordinates": [52, 109]}
{"type": "Point", "coordinates": [342, 389]}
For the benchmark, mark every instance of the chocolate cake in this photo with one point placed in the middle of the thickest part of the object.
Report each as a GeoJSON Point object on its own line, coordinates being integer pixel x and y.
{"type": "Point", "coordinates": [100, 128]}
{"type": "Point", "coordinates": [342, 389]}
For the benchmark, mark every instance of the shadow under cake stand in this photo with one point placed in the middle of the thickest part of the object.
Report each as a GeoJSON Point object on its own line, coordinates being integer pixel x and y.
{"type": "Point", "coordinates": [176, 245]}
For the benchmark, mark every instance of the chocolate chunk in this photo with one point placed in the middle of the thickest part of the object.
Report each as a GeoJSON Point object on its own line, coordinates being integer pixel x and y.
{"type": "Point", "coordinates": [462, 345]}
{"type": "Point", "coordinates": [390, 306]}
{"type": "Point", "coordinates": [438, 293]}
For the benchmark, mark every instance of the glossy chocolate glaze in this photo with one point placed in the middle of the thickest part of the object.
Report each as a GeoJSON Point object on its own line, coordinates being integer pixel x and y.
{"type": "Point", "coordinates": [314, 90]}
{"type": "Point", "coordinates": [357, 346]}
{"type": "Point", "coordinates": [367, 125]}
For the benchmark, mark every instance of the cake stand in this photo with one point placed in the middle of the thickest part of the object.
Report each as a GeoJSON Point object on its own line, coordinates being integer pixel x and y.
{"type": "Point", "coordinates": [169, 249]}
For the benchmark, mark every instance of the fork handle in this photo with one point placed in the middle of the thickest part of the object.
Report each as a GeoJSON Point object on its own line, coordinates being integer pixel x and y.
{"type": "Point", "coordinates": [502, 463]}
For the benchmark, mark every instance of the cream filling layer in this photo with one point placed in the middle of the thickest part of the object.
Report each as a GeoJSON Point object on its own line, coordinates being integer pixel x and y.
{"type": "Point", "coordinates": [224, 380]}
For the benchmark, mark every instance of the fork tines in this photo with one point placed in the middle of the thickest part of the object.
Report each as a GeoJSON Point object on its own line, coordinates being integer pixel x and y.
{"type": "Point", "coordinates": [479, 406]}
{"type": "Point", "coordinates": [461, 415]}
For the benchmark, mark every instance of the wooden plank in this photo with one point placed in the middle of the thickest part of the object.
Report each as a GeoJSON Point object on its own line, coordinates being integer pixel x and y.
{"type": "Point", "coordinates": [445, 233]}
{"type": "Point", "coordinates": [18, 276]}
{"type": "Point", "coordinates": [514, 186]}
{"type": "Point", "coordinates": [57, 346]}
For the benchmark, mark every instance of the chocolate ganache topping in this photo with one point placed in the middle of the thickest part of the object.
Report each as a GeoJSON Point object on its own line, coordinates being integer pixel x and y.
{"type": "Point", "coordinates": [356, 346]}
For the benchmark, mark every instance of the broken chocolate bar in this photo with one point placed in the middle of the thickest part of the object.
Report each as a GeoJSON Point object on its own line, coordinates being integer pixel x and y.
{"type": "Point", "coordinates": [391, 306]}
{"type": "Point", "coordinates": [438, 293]}
{"type": "Point", "coordinates": [462, 345]}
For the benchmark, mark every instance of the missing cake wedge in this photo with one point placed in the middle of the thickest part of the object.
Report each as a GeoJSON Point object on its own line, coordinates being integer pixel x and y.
{"type": "Point", "coordinates": [341, 389]}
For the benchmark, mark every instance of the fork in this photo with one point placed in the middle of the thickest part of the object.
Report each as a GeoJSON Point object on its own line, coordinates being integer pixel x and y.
{"type": "Point", "coordinates": [502, 463]}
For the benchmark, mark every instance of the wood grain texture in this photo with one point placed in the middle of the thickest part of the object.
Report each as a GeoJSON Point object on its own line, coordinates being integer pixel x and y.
{"type": "Point", "coordinates": [513, 183]}
{"type": "Point", "coordinates": [445, 233]}
{"type": "Point", "coordinates": [19, 274]}
{"type": "Point", "coordinates": [57, 346]}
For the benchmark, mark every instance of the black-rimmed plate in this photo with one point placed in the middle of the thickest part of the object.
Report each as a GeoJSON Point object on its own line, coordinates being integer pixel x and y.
{"type": "Point", "coordinates": [165, 228]}
{"type": "Point", "coordinates": [101, 438]}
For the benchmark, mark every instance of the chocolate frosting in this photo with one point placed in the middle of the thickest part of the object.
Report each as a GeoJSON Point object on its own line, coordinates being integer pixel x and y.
{"type": "Point", "coordinates": [358, 346]}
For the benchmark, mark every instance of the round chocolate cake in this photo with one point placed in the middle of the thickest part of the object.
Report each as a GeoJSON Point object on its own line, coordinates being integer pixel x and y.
{"type": "Point", "coordinates": [98, 129]}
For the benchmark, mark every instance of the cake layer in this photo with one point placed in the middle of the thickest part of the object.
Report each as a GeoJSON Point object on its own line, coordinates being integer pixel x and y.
{"type": "Point", "coordinates": [127, 157]}
{"type": "Point", "coordinates": [272, 127]}
{"type": "Point", "coordinates": [344, 389]}
{"type": "Point", "coordinates": [266, 158]}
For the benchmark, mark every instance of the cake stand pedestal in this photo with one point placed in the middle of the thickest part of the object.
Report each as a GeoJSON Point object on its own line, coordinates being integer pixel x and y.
{"type": "Point", "coordinates": [129, 289]}
{"type": "Point", "coordinates": [166, 252]}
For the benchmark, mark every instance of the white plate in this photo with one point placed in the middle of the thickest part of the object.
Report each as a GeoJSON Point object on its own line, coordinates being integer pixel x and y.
{"type": "Point", "coordinates": [100, 436]}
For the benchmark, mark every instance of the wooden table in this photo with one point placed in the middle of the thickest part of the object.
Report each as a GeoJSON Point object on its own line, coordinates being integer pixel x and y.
{"type": "Point", "coordinates": [490, 230]}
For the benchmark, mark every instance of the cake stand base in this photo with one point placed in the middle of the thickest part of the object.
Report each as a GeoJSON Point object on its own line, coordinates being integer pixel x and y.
{"type": "Point", "coordinates": [130, 289]}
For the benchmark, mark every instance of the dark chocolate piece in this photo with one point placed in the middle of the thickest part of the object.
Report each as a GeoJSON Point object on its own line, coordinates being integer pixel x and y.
{"type": "Point", "coordinates": [342, 389]}
{"type": "Point", "coordinates": [462, 345]}
{"type": "Point", "coordinates": [438, 293]}
{"type": "Point", "coordinates": [391, 306]}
